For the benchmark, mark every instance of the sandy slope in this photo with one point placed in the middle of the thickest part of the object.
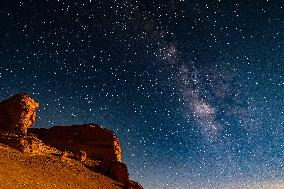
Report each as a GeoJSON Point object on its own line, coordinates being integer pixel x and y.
{"type": "Point", "coordinates": [19, 171]}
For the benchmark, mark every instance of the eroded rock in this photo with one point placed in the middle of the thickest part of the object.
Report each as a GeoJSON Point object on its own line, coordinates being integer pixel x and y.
{"type": "Point", "coordinates": [89, 142]}
{"type": "Point", "coordinates": [18, 113]}
{"type": "Point", "coordinates": [119, 172]}
{"type": "Point", "coordinates": [97, 142]}
{"type": "Point", "coordinates": [134, 185]}
{"type": "Point", "coordinates": [115, 170]}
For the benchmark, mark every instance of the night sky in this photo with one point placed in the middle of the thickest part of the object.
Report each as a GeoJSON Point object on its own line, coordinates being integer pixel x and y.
{"type": "Point", "coordinates": [193, 89]}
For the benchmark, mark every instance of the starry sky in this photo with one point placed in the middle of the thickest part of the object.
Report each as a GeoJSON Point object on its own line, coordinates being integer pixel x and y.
{"type": "Point", "coordinates": [193, 89]}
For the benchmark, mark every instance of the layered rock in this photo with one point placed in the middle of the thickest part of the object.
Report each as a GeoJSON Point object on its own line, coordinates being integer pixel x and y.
{"type": "Point", "coordinates": [133, 185]}
{"type": "Point", "coordinates": [119, 172]}
{"type": "Point", "coordinates": [18, 113]}
{"type": "Point", "coordinates": [86, 142]}
{"type": "Point", "coordinates": [91, 140]}
{"type": "Point", "coordinates": [97, 142]}
{"type": "Point", "coordinates": [115, 170]}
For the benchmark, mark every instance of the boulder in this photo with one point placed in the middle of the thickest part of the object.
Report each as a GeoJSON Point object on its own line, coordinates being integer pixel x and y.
{"type": "Point", "coordinates": [18, 113]}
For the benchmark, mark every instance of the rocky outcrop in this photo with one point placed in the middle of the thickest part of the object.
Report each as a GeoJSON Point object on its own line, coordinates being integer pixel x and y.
{"type": "Point", "coordinates": [115, 170]}
{"type": "Point", "coordinates": [119, 172]}
{"type": "Point", "coordinates": [133, 185]}
{"type": "Point", "coordinates": [25, 144]}
{"type": "Point", "coordinates": [18, 113]}
{"type": "Point", "coordinates": [89, 142]}
{"type": "Point", "coordinates": [97, 142]}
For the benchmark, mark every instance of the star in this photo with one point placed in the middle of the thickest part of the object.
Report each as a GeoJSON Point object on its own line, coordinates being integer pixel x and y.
{"type": "Point", "coordinates": [173, 79]}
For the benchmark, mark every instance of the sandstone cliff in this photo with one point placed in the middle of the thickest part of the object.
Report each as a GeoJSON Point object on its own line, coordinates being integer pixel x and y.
{"type": "Point", "coordinates": [92, 141]}
{"type": "Point", "coordinates": [98, 142]}
{"type": "Point", "coordinates": [91, 145]}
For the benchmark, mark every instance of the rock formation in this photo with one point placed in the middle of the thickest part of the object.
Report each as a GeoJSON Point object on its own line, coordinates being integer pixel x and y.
{"type": "Point", "coordinates": [119, 172]}
{"type": "Point", "coordinates": [18, 113]}
{"type": "Point", "coordinates": [134, 185]}
{"type": "Point", "coordinates": [85, 142]}
{"type": "Point", "coordinates": [90, 140]}
{"type": "Point", "coordinates": [96, 141]}
{"type": "Point", "coordinates": [115, 170]}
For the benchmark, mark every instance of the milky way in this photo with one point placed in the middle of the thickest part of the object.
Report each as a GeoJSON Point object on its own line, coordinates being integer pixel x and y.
{"type": "Point", "coordinates": [193, 89]}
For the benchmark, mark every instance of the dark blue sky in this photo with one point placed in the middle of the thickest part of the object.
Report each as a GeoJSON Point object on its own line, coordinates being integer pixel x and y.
{"type": "Point", "coordinates": [193, 89]}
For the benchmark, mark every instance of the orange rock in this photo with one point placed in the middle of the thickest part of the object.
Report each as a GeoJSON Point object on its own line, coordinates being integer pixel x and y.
{"type": "Point", "coordinates": [64, 154]}
{"type": "Point", "coordinates": [82, 155]}
{"type": "Point", "coordinates": [91, 141]}
{"type": "Point", "coordinates": [18, 113]}
{"type": "Point", "coordinates": [98, 143]}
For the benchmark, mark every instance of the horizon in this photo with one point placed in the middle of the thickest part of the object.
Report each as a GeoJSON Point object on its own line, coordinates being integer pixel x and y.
{"type": "Point", "coordinates": [192, 89]}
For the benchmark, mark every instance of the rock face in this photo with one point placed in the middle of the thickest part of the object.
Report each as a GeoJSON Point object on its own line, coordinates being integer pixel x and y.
{"type": "Point", "coordinates": [25, 144]}
{"type": "Point", "coordinates": [87, 142]}
{"type": "Point", "coordinates": [18, 113]}
{"type": "Point", "coordinates": [98, 143]}
{"type": "Point", "coordinates": [134, 185]}
{"type": "Point", "coordinates": [119, 172]}
{"type": "Point", "coordinates": [115, 170]}
{"type": "Point", "coordinates": [91, 140]}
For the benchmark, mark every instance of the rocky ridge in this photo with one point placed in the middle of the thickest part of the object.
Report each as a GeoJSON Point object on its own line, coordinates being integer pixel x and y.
{"type": "Point", "coordinates": [93, 146]}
